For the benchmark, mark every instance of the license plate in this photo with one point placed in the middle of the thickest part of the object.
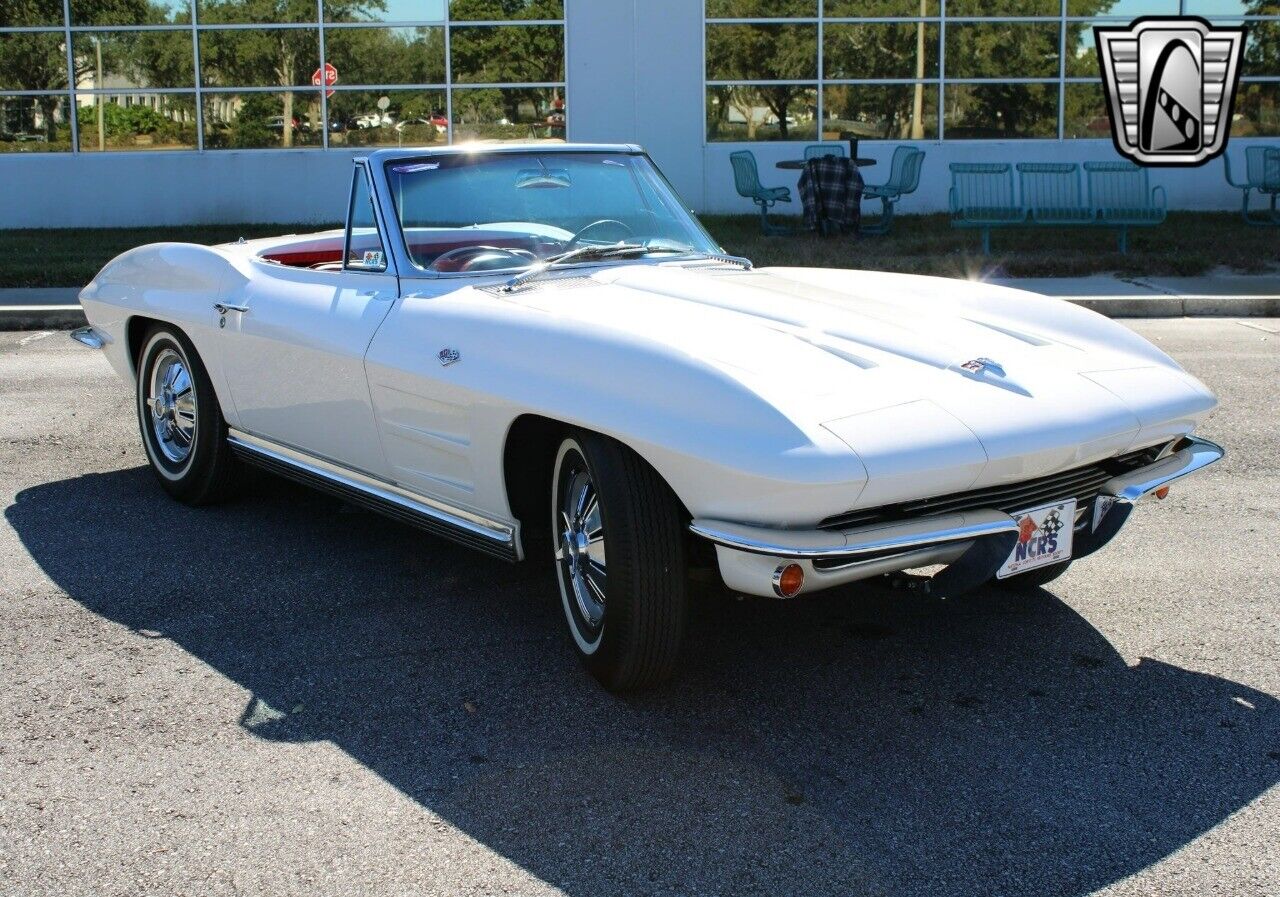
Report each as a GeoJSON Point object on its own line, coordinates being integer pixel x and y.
{"type": "Point", "coordinates": [1044, 538]}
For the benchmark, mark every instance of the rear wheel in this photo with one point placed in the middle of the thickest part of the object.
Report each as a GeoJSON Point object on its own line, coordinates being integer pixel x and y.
{"type": "Point", "coordinates": [619, 549]}
{"type": "Point", "coordinates": [183, 430]}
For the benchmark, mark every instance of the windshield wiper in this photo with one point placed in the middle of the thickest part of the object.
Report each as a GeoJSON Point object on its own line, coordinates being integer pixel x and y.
{"type": "Point", "coordinates": [581, 254]}
{"type": "Point", "coordinates": [614, 251]}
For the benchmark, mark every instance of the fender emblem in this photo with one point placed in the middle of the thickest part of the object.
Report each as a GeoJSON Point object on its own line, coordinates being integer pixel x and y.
{"type": "Point", "coordinates": [449, 356]}
{"type": "Point", "coordinates": [978, 365]}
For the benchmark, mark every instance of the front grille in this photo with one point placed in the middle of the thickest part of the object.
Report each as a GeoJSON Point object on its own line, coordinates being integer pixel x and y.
{"type": "Point", "coordinates": [1082, 484]}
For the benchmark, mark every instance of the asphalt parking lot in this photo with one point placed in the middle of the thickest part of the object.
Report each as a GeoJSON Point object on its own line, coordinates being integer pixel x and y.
{"type": "Point", "coordinates": [283, 695]}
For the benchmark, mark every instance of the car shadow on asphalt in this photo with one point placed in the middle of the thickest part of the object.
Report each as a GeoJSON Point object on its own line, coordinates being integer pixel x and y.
{"type": "Point", "coordinates": [861, 742]}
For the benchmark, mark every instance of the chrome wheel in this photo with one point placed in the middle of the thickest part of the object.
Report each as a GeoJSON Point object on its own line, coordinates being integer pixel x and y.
{"type": "Point", "coordinates": [171, 401]}
{"type": "Point", "coordinates": [580, 550]}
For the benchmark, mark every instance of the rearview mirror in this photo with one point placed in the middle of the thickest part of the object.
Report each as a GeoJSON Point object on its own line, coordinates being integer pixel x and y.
{"type": "Point", "coordinates": [542, 178]}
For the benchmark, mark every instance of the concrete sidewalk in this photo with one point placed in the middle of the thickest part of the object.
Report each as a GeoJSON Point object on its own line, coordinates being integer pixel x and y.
{"type": "Point", "coordinates": [1207, 296]}
{"type": "Point", "coordinates": [1213, 295]}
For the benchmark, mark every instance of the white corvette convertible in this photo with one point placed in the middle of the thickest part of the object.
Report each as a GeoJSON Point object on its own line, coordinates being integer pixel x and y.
{"type": "Point", "coordinates": [538, 351]}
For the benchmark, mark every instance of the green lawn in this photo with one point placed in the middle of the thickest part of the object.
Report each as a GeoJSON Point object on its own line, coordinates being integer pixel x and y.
{"type": "Point", "coordinates": [1188, 243]}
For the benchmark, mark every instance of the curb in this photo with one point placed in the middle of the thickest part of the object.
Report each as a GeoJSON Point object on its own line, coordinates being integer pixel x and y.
{"type": "Point", "coordinates": [41, 317]}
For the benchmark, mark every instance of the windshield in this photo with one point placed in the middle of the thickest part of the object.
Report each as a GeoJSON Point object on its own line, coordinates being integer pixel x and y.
{"type": "Point", "coordinates": [482, 211]}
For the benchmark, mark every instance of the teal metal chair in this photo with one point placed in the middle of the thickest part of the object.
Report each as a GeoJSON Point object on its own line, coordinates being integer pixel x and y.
{"type": "Point", "coordinates": [1262, 173]}
{"type": "Point", "coordinates": [982, 198]}
{"type": "Point", "coordinates": [1121, 196]}
{"type": "Point", "coordinates": [746, 177]}
{"type": "Point", "coordinates": [904, 178]}
{"type": "Point", "coordinates": [818, 150]}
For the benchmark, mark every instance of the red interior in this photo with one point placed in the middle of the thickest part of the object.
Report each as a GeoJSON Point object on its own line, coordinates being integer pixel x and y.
{"type": "Point", "coordinates": [425, 247]}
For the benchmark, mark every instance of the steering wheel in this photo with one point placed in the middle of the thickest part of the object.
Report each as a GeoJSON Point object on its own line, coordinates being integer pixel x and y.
{"type": "Point", "coordinates": [467, 258]}
{"type": "Point", "coordinates": [577, 238]}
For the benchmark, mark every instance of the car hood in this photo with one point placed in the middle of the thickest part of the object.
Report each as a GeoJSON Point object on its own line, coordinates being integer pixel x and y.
{"type": "Point", "coordinates": [911, 372]}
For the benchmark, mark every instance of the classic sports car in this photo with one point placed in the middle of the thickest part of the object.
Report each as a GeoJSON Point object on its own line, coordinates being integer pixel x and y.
{"type": "Point", "coordinates": [537, 351]}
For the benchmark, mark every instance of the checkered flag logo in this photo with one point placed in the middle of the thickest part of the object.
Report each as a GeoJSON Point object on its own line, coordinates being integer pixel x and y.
{"type": "Point", "coordinates": [1052, 523]}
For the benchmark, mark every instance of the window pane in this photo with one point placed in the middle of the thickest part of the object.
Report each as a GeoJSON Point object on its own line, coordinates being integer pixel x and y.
{"type": "Point", "coordinates": [1002, 50]}
{"type": "Point", "coordinates": [761, 9]}
{"type": "Point", "coordinates": [259, 57]}
{"type": "Point", "coordinates": [225, 12]}
{"type": "Point", "coordinates": [155, 12]}
{"type": "Point", "coordinates": [412, 118]}
{"type": "Point", "coordinates": [1262, 49]}
{"type": "Point", "coordinates": [1122, 9]}
{"type": "Point", "coordinates": [504, 10]}
{"type": "Point", "coordinates": [535, 113]}
{"type": "Point", "coordinates": [989, 8]}
{"type": "Point", "coordinates": [261, 120]}
{"type": "Point", "coordinates": [507, 54]}
{"type": "Point", "coordinates": [384, 11]}
{"type": "Point", "coordinates": [881, 51]}
{"type": "Point", "coordinates": [1085, 113]}
{"type": "Point", "coordinates": [34, 124]}
{"type": "Point", "coordinates": [1001, 111]}
{"type": "Point", "coordinates": [35, 61]}
{"type": "Point", "coordinates": [782, 112]}
{"type": "Point", "coordinates": [364, 248]}
{"type": "Point", "coordinates": [880, 9]}
{"type": "Point", "coordinates": [136, 122]}
{"type": "Point", "coordinates": [881, 112]}
{"type": "Point", "coordinates": [1233, 7]}
{"type": "Point", "coordinates": [133, 59]}
{"type": "Point", "coordinates": [31, 12]}
{"type": "Point", "coordinates": [762, 52]}
{"type": "Point", "coordinates": [386, 55]}
{"type": "Point", "coordinates": [1082, 49]}
{"type": "Point", "coordinates": [1257, 112]}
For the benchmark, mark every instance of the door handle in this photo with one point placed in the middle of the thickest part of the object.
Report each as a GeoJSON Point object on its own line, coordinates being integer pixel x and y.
{"type": "Point", "coordinates": [369, 294]}
{"type": "Point", "coordinates": [222, 308]}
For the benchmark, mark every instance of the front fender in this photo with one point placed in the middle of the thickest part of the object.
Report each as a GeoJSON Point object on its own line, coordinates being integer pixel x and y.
{"type": "Point", "coordinates": [725, 451]}
{"type": "Point", "coordinates": [176, 283]}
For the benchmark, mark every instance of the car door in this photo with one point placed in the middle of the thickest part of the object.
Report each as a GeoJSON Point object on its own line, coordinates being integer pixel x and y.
{"type": "Point", "coordinates": [294, 341]}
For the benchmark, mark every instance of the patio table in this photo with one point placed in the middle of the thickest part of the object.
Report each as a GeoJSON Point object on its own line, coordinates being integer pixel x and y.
{"type": "Point", "coordinates": [798, 164]}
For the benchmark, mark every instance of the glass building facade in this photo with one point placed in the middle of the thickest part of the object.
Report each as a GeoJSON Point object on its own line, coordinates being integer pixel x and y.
{"type": "Point", "coordinates": [944, 69]}
{"type": "Point", "coordinates": [133, 75]}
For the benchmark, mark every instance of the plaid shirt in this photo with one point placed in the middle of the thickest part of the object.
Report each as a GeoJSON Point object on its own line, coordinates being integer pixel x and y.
{"type": "Point", "coordinates": [831, 190]}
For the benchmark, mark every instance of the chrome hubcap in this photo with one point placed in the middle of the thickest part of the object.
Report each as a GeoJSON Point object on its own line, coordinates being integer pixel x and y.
{"type": "Point", "coordinates": [580, 551]}
{"type": "Point", "coordinates": [171, 399]}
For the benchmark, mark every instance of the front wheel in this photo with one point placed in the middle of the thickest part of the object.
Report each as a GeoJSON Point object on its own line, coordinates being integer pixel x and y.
{"type": "Point", "coordinates": [183, 431]}
{"type": "Point", "coordinates": [619, 549]}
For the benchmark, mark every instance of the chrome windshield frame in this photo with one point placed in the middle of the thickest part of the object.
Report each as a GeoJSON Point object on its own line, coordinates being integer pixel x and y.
{"type": "Point", "coordinates": [408, 269]}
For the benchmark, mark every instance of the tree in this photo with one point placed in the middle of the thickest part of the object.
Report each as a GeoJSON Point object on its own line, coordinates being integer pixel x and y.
{"type": "Point", "coordinates": [759, 53]}
{"type": "Point", "coordinates": [513, 54]}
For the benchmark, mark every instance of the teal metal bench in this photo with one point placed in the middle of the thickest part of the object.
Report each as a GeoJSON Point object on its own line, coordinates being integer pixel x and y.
{"type": "Point", "coordinates": [1051, 194]}
{"type": "Point", "coordinates": [982, 197]}
{"type": "Point", "coordinates": [1121, 195]}
{"type": "Point", "coordinates": [1262, 173]}
{"type": "Point", "coordinates": [904, 178]}
{"type": "Point", "coordinates": [746, 177]}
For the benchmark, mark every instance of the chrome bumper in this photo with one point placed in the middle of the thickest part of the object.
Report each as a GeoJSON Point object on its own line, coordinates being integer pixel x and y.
{"type": "Point", "coordinates": [835, 557]}
{"type": "Point", "coordinates": [1191, 455]}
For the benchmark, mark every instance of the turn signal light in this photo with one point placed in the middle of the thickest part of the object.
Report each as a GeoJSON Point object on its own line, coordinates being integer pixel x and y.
{"type": "Point", "coordinates": [1162, 493]}
{"type": "Point", "coordinates": [788, 580]}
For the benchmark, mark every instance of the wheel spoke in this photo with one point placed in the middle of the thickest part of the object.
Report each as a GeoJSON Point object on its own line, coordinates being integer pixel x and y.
{"type": "Point", "coordinates": [596, 581]}
{"type": "Point", "coordinates": [591, 522]}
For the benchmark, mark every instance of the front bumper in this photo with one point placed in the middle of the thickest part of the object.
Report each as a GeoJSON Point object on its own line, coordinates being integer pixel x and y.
{"type": "Point", "coordinates": [750, 556]}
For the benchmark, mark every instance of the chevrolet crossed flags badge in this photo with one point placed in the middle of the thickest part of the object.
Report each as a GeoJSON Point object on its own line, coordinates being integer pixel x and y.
{"type": "Point", "coordinates": [1171, 85]}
